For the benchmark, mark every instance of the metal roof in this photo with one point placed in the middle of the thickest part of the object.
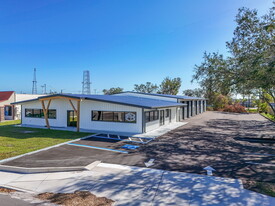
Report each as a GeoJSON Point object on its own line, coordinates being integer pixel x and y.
{"type": "Point", "coordinates": [168, 95]}
{"type": "Point", "coordinates": [5, 95]}
{"type": "Point", "coordinates": [124, 100]}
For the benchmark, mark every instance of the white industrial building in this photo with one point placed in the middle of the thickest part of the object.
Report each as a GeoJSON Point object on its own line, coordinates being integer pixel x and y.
{"type": "Point", "coordinates": [127, 112]}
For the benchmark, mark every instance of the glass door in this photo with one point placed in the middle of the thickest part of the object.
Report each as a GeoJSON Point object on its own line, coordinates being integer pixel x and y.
{"type": "Point", "coordinates": [71, 118]}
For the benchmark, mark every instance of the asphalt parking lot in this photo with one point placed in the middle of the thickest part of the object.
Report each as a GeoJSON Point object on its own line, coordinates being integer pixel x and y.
{"type": "Point", "coordinates": [230, 143]}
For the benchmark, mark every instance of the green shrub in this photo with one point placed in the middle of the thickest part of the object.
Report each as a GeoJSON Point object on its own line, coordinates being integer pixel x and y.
{"type": "Point", "coordinates": [220, 102]}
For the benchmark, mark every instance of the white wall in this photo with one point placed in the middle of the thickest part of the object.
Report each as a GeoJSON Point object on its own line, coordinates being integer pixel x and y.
{"type": "Point", "coordinates": [85, 116]}
{"type": "Point", "coordinates": [61, 107]}
{"type": "Point", "coordinates": [23, 97]}
{"type": "Point", "coordinates": [86, 106]}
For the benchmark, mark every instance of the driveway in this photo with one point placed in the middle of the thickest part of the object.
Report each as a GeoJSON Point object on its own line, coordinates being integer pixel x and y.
{"type": "Point", "coordinates": [213, 138]}
{"type": "Point", "coordinates": [220, 140]}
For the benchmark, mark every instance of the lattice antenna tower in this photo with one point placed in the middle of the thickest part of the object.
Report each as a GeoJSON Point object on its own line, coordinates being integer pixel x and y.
{"type": "Point", "coordinates": [86, 84]}
{"type": "Point", "coordinates": [34, 82]}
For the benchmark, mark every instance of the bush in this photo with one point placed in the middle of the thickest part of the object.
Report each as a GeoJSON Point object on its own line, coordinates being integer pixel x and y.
{"type": "Point", "coordinates": [237, 108]}
{"type": "Point", "coordinates": [263, 107]}
{"type": "Point", "coordinates": [220, 102]}
{"type": "Point", "coordinates": [209, 108]}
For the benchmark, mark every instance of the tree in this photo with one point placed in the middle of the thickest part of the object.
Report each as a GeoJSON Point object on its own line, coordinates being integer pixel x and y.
{"type": "Point", "coordinates": [253, 50]}
{"type": "Point", "coordinates": [194, 92]}
{"type": "Point", "coordinates": [251, 66]}
{"type": "Point", "coordinates": [170, 86]}
{"type": "Point", "coordinates": [113, 90]}
{"type": "Point", "coordinates": [214, 75]}
{"type": "Point", "coordinates": [148, 87]}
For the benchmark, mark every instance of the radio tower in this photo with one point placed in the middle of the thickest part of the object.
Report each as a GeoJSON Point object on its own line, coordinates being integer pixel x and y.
{"type": "Point", "coordinates": [34, 82]}
{"type": "Point", "coordinates": [86, 83]}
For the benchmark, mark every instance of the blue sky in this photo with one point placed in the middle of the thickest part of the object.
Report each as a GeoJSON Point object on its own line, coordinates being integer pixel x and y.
{"type": "Point", "coordinates": [121, 42]}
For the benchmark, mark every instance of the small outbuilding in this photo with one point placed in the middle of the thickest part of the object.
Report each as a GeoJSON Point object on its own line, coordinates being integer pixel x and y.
{"type": "Point", "coordinates": [9, 111]}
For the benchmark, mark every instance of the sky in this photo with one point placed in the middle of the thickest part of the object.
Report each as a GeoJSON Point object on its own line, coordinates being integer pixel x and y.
{"type": "Point", "coordinates": [121, 42]}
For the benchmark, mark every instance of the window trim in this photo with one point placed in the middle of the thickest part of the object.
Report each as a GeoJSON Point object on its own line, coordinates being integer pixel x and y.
{"type": "Point", "coordinates": [155, 115]}
{"type": "Point", "coordinates": [113, 116]}
{"type": "Point", "coordinates": [40, 114]}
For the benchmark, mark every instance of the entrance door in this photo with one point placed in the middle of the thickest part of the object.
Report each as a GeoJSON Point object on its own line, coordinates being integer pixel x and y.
{"type": "Point", "coordinates": [71, 118]}
{"type": "Point", "coordinates": [161, 118]}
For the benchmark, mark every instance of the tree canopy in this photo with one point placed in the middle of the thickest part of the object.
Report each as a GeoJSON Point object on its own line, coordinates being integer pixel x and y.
{"type": "Point", "coordinates": [113, 90]}
{"type": "Point", "coordinates": [148, 87]}
{"type": "Point", "coordinates": [198, 92]}
{"type": "Point", "coordinates": [170, 86]}
{"type": "Point", "coordinates": [250, 67]}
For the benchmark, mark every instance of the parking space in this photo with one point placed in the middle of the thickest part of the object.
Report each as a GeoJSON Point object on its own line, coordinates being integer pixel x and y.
{"type": "Point", "coordinates": [107, 144]}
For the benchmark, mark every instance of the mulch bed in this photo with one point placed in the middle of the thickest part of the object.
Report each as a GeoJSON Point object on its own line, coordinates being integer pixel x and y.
{"type": "Point", "coordinates": [78, 198]}
{"type": "Point", "coordinates": [6, 190]}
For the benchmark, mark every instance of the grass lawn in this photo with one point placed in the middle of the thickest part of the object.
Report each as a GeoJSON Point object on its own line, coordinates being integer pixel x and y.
{"type": "Point", "coordinates": [19, 140]}
{"type": "Point", "coordinates": [252, 110]}
{"type": "Point", "coordinates": [269, 116]}
{"type": "Point", "coordinates": [10, 122]}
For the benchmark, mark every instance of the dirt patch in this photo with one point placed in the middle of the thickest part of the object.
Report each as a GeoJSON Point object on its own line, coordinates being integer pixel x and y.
{"type": "Point", "coordinates": [78, 198]}
{"type": "Point", "coordinates": [6, 190]}
{"type": "Point", "coordinates": [266, 188]}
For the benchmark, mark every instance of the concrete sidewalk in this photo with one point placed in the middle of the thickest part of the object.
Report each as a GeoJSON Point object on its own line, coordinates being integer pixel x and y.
{"type": "Point", "coordinates": [140, 186]}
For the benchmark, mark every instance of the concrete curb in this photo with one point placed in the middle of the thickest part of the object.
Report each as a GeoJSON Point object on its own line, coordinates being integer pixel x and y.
{"type": "Point", "coordinates": [40, 150]}
{"type": "Point", "coordinates": [28, 170]}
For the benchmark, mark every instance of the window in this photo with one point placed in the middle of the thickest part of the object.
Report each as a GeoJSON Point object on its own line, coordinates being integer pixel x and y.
{"type": "Point", "coordinates": [8, 110]}
{"type": "Point", "coordinates": [38, 113]}
{"type": "Point", "coordinates": [96, 115]}
{"type": "Point", "coordinates": [167, 113]}
{"type": "Point", "coordinates": [51, 114]}
{"type": "Point", "coordinates": [28, 112]}
{"type": "Point", "coordinates": [110, 116]}
{"type": "Point", "coordinates": [151, 115]}
{"type": "Point", "coordinates": [119, 116]}
{"type": "Point", "coordinates": [147, 116]}
{"type": "Point", "coordinates": [156, 115]}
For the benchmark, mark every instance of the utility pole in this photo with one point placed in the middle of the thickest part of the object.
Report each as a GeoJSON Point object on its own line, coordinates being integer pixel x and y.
{"type": "Point", "coordinates": [34, 82]}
